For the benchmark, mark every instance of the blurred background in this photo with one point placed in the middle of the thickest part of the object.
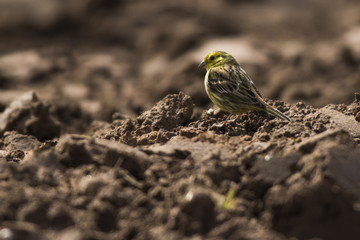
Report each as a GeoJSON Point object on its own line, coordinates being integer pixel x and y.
{"type": "Point", "coordinates": [91, 58]}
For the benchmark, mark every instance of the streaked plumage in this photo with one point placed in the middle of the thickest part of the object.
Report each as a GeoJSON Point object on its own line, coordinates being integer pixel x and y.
{"type": "Point", "coordinates": [231, 89]}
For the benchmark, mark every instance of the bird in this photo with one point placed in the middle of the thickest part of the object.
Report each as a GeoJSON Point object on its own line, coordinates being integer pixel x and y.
{"type": "Point", "coordinates": [231, 89]}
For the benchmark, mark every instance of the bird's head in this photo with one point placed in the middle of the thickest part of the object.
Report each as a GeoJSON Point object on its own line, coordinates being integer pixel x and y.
{"type": "Point", "coordinates": [217, 58]}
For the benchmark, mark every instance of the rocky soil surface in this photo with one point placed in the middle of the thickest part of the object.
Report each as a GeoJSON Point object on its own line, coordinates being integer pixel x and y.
{"type": "Point", "coordinates": [106, 132]}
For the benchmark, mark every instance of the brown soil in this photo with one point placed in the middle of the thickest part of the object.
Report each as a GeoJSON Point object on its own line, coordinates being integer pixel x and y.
{"type": "Point", "coordinates": [105, 131]}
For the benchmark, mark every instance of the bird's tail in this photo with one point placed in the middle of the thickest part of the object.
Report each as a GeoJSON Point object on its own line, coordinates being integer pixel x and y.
{"type": "Point", "coordinates": [276, 113]}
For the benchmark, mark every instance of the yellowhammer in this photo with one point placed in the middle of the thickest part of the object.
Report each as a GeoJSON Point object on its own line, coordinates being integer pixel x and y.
{"type": "Point", "coordinates": [231, 89]}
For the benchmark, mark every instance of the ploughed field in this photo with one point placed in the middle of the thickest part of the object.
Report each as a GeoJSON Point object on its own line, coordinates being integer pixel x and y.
{"type": "Point", "coordinates": [106, 132]}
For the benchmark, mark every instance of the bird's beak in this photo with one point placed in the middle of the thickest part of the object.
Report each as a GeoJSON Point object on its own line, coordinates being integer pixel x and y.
{"type": "Point", "coordinates": [202, 64]}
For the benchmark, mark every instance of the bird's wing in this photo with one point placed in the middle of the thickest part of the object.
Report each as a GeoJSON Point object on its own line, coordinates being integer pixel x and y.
{"type": "Point", "coordinates": [234, 82]}
{"type": "Point", "coordinates": [220, 82]}
{"type": "Point", "coordinates": [247, 81]}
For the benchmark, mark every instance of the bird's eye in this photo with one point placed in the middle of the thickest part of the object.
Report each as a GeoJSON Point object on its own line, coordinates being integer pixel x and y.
{"type": "Point", "coordinates": [212, 58]}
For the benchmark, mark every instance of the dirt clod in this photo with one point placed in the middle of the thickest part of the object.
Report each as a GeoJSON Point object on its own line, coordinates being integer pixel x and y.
{"type": "Point", "coordinates": [173, 111]}
{"type": "Point", "coordinates": [29, 115]}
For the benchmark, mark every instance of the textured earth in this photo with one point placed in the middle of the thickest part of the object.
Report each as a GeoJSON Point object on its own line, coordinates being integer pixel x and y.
{"type": "Point", "coordinates": [106, 131]}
